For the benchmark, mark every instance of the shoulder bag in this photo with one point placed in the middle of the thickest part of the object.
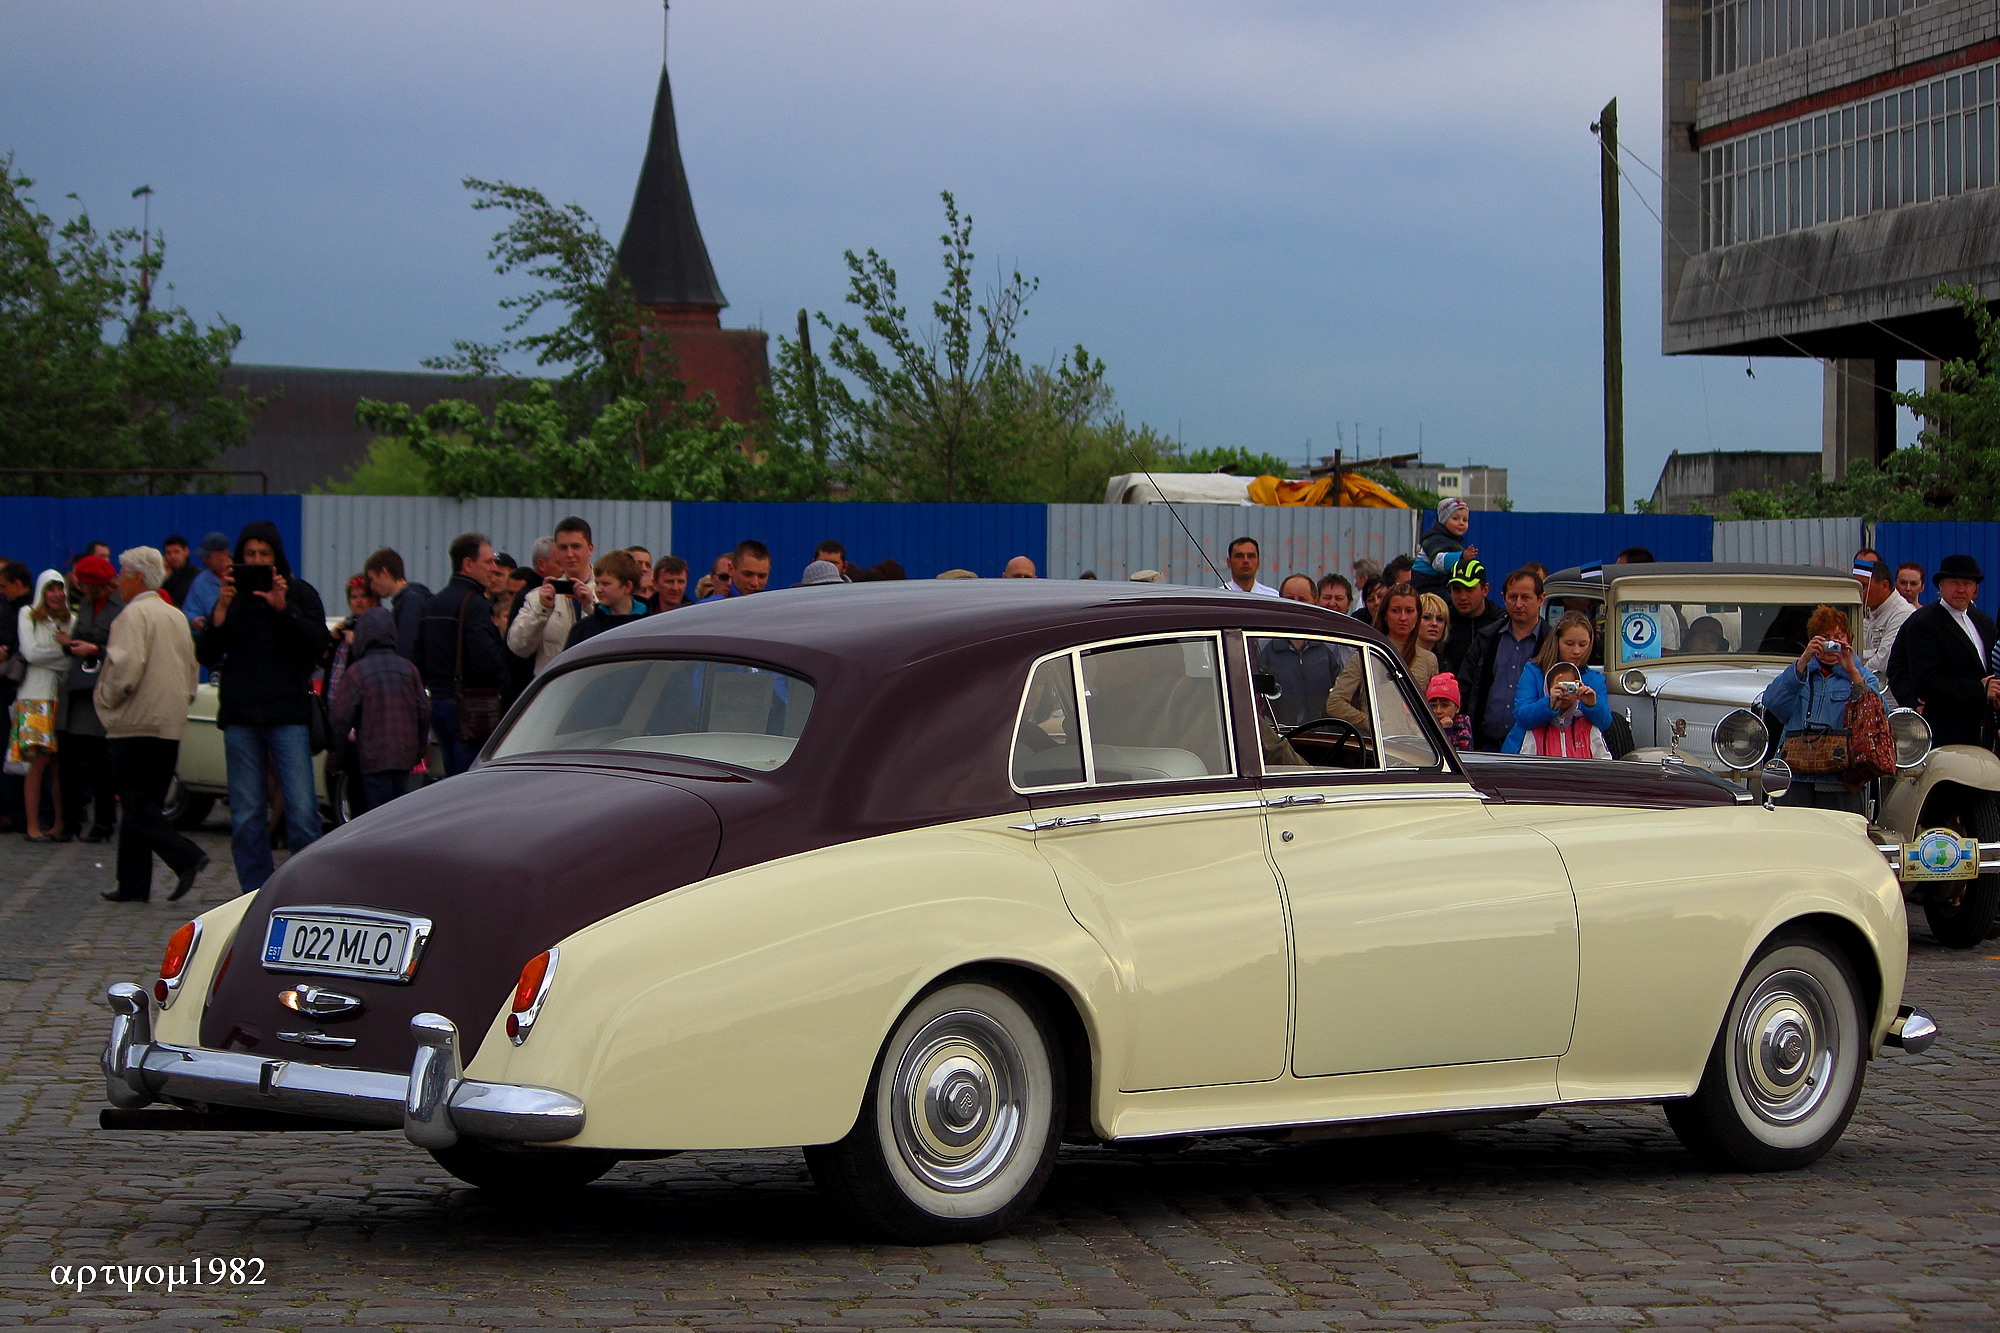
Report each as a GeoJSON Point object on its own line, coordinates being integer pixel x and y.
{"type": "Point", "coordinates": [478, 705]}
{"type": "Point", "coordinates": [1871, 749]}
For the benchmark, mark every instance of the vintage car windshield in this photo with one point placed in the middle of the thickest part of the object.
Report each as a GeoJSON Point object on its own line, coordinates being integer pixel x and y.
{"type": "Point", "coordinates": [1652, 631]}
{"type": "Point", "coordinates": [728, 712]}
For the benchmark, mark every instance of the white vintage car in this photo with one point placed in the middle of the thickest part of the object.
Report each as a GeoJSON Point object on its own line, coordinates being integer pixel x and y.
{"type": "Point", "coordinates": [1688, 650]}
{"type": "Point", "coordinates": [929, 878]}
{"type": "Point", "coordinates": [201, 775]}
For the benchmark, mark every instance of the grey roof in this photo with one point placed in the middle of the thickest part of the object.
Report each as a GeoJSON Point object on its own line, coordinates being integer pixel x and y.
{"type": "Point", "coordinates": [661, 252]}
{"type": "Point", "coordinates": [1693, 569]}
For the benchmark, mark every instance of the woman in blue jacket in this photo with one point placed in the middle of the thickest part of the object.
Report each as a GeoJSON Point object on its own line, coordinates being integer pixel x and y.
{"type": "Point", "coordinates": [1814, 693]}
{"type": "Point", "coordinates": [1535, 707]}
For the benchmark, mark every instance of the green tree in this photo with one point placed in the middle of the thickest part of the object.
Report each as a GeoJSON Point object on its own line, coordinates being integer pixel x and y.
{"type": "Point", "coordinates": [92, 374]}
{"type": "Point", "coordinates": [614, 419]}
{"type": "Point", "coordinates": [949, 411]}
{"type": "Point", "coordinates": [1953, 473]}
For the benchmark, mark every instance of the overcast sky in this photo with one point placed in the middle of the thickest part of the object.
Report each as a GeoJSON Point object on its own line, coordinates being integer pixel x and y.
{"type": "Point", "coordinates": [1272, 220]}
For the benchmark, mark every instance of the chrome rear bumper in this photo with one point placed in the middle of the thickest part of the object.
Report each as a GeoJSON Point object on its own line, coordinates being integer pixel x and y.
{"type": "Point", "coordinates": [1913, 1031]}
{"type": "Point", "coordinates": [435, 1104]}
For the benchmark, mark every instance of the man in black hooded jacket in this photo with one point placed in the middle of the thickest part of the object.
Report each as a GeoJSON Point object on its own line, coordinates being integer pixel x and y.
{"type": "Point", "coordinates": [266, 643]}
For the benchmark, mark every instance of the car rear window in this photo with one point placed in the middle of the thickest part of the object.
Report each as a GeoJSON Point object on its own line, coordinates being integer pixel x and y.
{"type": "Point", "coordinates": [729, 712]}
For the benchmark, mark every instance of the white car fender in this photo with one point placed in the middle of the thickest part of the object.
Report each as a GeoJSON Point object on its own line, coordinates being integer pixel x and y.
{"type": "Point", "coordinates": [1966, 765]}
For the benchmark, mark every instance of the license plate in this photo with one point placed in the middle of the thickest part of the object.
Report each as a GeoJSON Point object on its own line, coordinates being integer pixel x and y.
{"type": "Point", "coordinates": [345, 942]}
{"type": "Point", "coordinates": [1939, 854]}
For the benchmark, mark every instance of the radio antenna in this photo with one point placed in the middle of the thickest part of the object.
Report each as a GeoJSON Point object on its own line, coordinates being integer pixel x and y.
{"type": "Point", "coordinates": [1185, 529]}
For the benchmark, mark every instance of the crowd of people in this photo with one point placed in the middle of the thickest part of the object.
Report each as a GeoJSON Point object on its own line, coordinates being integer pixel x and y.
{"type": "Point", "coordinates": [98, 663]}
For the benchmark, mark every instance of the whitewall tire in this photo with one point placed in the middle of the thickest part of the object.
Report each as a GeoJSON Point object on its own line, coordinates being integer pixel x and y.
{"type": "Point", "coordinates": [958, 1131]}
{"type": "Point", "coordinates": [1786, 1069]}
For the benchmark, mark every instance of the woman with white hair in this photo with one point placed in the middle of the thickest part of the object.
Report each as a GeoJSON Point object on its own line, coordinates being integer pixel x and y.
{"type": "Point", "coordinates": [143, 694]}
{"type": "Point", "coordinates": [31, 737]}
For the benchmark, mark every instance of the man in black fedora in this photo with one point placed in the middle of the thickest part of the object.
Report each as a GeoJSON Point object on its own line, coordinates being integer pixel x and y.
{"type": "Point", "coordinates": [1939, 663]}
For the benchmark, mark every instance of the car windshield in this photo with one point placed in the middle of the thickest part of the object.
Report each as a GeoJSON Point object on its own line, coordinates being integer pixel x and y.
{"type": "Point", "coordinates": [728, 712]}
{"type": "Point", "coordinates": [1648, 631]}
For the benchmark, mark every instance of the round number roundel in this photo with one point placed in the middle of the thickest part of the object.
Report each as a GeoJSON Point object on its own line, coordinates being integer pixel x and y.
{"type": "Point", "coordinates": [1639, 631]}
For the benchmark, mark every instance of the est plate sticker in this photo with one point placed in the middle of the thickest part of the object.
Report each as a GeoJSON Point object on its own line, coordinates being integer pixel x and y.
{"type": "Point", "coordinates": [1938, 853]}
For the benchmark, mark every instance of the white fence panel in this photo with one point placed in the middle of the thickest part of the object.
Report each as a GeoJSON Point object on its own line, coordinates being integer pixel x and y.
{"type": "Point", "coordinates": [1117, 541]}
{"type": "Point", "coordinates": [341, 531]}
{"type": "Point", "coordinates": [1829, 543]}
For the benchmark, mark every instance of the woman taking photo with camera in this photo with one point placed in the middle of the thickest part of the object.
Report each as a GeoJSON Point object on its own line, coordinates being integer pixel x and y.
{"type": "Point", "coordinates": [1810, 703]}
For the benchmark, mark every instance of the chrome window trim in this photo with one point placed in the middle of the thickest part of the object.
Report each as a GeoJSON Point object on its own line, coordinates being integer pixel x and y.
{"type": "Point", "coordinates": [1469, 793]}
{"type": "Point", "coordinates": [1213, 636]}
{"type": "Point", "coordinates": [1127, 816]}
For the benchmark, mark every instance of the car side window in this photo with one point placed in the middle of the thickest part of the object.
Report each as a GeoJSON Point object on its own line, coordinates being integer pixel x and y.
{"type": "Point", "coordinates": [1154, 711]}
{"type": "Point", "coordinates": [1405, 743]}
{"type": "Point", "coordinates": [1362, 723]}
{"type": "Point", "coordinates": [1048, 744]}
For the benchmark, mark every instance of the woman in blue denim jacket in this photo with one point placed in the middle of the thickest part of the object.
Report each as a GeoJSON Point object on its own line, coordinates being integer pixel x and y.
{"type": "Point", "coordinates": [1535, 707]}
{"type": "Point", "coordinates": [1814, 692]}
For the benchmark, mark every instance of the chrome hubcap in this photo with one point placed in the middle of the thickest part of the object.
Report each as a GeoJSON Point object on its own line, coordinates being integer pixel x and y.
{"type": "Point", "coordinates": [957, 1101]}
{"type": "Point", "coordinates": [1785, 1046]}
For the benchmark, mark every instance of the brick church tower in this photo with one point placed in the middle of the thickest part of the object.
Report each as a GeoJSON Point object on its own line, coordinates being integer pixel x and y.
{"type": "Point", "coordinates": [663, 257]}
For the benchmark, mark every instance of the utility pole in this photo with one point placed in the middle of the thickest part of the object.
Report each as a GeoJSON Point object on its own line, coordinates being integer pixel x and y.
{"type": "Point", "coordinates": [815, 417]}
{"type": "Point", "coordinates": [1606, 130]}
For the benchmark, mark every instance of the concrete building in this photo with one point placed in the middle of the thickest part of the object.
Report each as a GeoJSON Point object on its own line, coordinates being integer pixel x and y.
{"type": "Point", "coordinates": [1829, 164]}
{"type": "Point", "coordinates": [1703, 483]}
{"type": "Point", "coordinates": [1479, 486]}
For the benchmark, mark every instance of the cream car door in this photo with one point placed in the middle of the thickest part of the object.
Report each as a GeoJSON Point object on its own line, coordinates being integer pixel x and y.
{"type": "Point", "coordinates": [1425, 931]}
{"type": "Point", "coordinates": [1157, 839]}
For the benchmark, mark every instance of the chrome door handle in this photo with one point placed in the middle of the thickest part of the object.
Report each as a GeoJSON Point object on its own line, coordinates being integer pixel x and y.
{"type": "Point", "coordinates": [1284, 802]}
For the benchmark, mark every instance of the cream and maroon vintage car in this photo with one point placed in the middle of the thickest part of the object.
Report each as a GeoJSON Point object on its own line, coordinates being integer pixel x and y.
{"type": "Point", "coordinates": [928, 878]}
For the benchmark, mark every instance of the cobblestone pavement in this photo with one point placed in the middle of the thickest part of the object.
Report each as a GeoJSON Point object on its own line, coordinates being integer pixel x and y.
{"type": "Point", "coordinates": [1584, 1220]}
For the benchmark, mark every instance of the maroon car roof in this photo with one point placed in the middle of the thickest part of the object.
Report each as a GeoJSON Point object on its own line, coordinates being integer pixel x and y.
{"type": "Point", "coordinates": [883, 626]}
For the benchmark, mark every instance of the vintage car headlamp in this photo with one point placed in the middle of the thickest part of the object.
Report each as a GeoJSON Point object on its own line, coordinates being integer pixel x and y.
{"type": "Point", "coordinates": [1912, 736]}
{"type": "Point", "coordinates": [1741, 740]}
{"type": "Point", "coordinates": [1633, 682]}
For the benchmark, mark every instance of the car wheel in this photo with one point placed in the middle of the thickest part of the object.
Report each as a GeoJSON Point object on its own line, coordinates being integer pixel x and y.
{"type": "Point", "coordinates": [341, 791]}
{"type": "Point", "coordinates": [185, 809]}
{"type": "Point", "coordinates": [1786, 1069]}
{"type": "Point", "coordinates": [958, 1131]}
{"type": "Point", "coordinates": [1965, 923]}
{"type": "Point", "coordinates": [523, 1174]}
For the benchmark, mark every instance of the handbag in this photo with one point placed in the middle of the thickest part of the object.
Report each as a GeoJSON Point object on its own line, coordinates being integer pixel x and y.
{"type": "Point", "coordinates": [319, 727]}
{"type": "Point", "coordinates": [1817, 751]}
{"type": "Point", "coordinates": [1871, 749]}
{"type": "Point", "coordinates": [478, 705]}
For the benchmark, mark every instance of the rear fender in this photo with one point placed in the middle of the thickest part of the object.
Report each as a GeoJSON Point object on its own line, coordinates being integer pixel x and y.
{"type": "Point", "coordinates": [748, 1011]}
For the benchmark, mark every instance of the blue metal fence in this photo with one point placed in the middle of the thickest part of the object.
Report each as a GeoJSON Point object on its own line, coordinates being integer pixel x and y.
{"type": "Point", "coordinates": [925, 539]}
{"type": "Point", "coordinates": [1929, 543]}
{"type": "Point", "coordinates": [1506, 541]}
{"type": "Point", "coordinates": [43, 533]}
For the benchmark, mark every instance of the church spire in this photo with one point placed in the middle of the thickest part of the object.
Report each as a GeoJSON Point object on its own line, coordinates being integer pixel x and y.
{"type": "Point", "coordinates": [661, 253]}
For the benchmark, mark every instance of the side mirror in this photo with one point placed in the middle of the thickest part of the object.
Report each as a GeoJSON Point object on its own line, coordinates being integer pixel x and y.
{"type": "Point", "coordinates": [1266, 685]}
{"type": "Point", "coordinates": [1773, 781]}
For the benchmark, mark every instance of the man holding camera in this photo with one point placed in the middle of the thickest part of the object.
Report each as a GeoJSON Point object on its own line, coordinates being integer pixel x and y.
{"type": "Point", "coordinates": [266, 636]}
{"type": "Point", "coordinates": [1940, 661]}
{"type": "Point", "coordinates": [542, 624]}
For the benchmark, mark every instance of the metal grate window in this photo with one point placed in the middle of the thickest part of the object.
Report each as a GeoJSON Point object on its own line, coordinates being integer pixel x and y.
{"type": "Point", "coordinates": [1736, 34]}
{"type": "Point", "coordinates": [1906, 147]}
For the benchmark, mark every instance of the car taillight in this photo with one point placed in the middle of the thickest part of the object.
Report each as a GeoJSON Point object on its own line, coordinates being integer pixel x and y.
{"type": "Point", "coordinates": [173, 967]}
{"type": "Point", "coordinates": [529, 992]}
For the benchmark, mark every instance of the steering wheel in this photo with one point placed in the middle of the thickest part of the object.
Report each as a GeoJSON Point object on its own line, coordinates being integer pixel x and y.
{"type": "Point", "coordinates": [1344, 731]}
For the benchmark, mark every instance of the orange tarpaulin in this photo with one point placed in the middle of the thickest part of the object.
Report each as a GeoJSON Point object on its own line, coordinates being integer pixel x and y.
{"type": "Point", "coordinates": [1350, 490]}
